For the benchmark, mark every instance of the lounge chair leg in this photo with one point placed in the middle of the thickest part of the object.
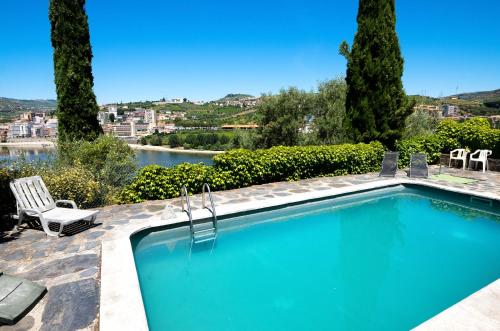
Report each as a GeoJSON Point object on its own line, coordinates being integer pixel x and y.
{"type": "Point", "coordinates": [48, 231]}
{"type": "Point", "coordinates": [20, 220]}
{"type": "Point", "coordinates": [60, 230]}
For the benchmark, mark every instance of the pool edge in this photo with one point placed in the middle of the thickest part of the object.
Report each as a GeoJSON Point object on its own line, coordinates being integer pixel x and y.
{"type": "Point", "coordinates": [125, 311]}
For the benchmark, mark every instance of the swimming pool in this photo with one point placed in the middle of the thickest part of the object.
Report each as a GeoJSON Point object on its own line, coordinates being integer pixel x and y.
{"type": "Point", "coordinates": [387, 259]}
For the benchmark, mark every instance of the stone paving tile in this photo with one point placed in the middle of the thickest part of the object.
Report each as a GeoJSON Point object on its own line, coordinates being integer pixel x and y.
{"type": "Point", "coordinates": [70, 265]}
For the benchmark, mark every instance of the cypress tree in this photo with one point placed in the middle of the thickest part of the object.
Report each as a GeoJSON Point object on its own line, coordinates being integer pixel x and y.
{"type": "Point", "coordinates": [76, 103]}
{"type": "Point", "coordinates": [376, 103]}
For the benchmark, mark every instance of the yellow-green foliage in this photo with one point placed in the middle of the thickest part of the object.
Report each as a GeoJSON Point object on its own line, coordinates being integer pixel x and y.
{"type": "Point", "coordinates": [91, 173]}
{"type": "Point", "coordinates": [474, 133]}
{"type": "Point", "coordinates": [431, 145]}
{"type": "Point", "coordinates": [292, 163]}
{"type": "Point", "coordinates": [240, 168]}
{"type": "Point", "coordinates": [73, 183]}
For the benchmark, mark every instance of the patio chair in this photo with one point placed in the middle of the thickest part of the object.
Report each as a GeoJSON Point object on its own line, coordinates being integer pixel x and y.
{"type": "Point", "coordinates": [33, 199]}
{"type": "Point", "coordinates": [418, 166]}
{"type": "Point", "coordinates": [389, 164]}
{"type": "Point", "coordinates": [459, 154]}
{"type": "Point", "coordinates": [482, 156]}
{"type": "Point", "coordinates": [17, 297]}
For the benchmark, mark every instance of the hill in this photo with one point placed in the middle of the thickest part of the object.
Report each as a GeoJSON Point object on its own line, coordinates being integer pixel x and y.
{"type": "Point", "coordinates": [485, 103]}
{"type": "Point", "coordinates": [11, 108]}
{"type": "Point", "coordinates": [478, 96]}
{"type": "Point", "coordinates": [234, 97]}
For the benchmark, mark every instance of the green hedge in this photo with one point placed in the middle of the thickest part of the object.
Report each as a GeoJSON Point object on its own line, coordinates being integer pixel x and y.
{"type": "Point", "coordinates": [293, 163]}
{"type": "Point", "coordinates": [474, 133]}
{"type": "Point", "coordinates": [432, 145]}
{"type": "Point", "coordinates": [240, 168]}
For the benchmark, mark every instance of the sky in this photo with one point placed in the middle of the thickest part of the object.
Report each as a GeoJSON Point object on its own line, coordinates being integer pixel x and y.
{"type": "Point", "coordinates": [202, 50]}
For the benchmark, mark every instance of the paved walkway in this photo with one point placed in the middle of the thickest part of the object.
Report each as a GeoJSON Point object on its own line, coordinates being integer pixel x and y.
{"type": "Point", "coordinates": [70, 266]}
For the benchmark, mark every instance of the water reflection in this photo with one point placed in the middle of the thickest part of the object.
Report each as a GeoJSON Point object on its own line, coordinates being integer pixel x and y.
{"type": "Point", "coordinates": [366, 260]}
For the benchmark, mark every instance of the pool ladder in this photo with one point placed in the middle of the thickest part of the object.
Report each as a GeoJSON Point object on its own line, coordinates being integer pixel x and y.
{"type": "Point", "coordinates": [199, 231]}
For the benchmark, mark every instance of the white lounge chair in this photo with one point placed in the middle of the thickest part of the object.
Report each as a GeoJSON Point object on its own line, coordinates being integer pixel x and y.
{"type": "Point", "coordinates": [482, 156]}
{"type": "Point", "coordinates": [459, 155]}
{"type": "Point", "coordinates": [33, 199]}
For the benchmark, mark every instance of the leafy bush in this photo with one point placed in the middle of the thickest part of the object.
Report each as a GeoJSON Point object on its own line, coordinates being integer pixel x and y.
{"type": "Point", "coordinates": [240, 168]}
{"type": "Point", "coordinates": [155, 182]}
{"type": "Point", "coordinates": [420, 123]}
{"type": "Point", "coordinates": [90, 173]}
{"type": "Point", "coordinates": [74, 183]}
{"type": "Point", "coordinates": [432, 145]}
{"type": "Point", "coordinates": [474, 133]}
{"type": "Point", "coordinates": [111, 161]}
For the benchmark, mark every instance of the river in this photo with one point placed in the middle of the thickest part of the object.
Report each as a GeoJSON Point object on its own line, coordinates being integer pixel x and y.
{"type": "Point", "coordinates": [144, 157]}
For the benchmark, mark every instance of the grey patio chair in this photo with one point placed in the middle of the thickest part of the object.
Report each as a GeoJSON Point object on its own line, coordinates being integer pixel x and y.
{"type": "Point", "coordinates": [33, 199]}
{"type": "Point", "coordinates": [389, 164]}
{"type": "Point", "coordinates": [418, 166]}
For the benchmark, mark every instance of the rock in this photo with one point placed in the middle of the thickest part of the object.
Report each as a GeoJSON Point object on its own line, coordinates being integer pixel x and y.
{"type": "Point", "coordinates": [71, 306]}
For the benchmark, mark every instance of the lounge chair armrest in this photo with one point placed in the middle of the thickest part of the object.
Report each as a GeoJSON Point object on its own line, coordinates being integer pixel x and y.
{"type": "Point", "coordinates": [68, 202]}
{"type": "Point", "coordinates": [29, 211]}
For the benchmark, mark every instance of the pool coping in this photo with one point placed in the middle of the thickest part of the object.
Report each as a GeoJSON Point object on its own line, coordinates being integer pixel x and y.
{"type": "Point", "coordinates": [121, 304]}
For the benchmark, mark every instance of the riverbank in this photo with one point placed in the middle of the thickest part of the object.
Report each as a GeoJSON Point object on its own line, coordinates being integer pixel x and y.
{"type": "Point", "coordinates": [29, 144]}
{"type": "Point", "coordinates": [50, 144]}
{"type": "Point", "coordinates": [173, 150]}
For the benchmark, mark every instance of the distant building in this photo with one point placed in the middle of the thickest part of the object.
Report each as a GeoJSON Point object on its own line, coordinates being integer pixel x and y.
{"type": "Point", "coordinates": [103, 117]}
{"type": "Point", "coordinates": [150, 117]}
{"type": "Point", "coordinates": [429, 109]}
{"type": "Point", "coordinates": [113, 109]}
{"type": "Point", "coordinates": [4, 131]}
{"type": "Point", "coordinates": [495, 121]}
{"type": "Point", "coordinates": [28, 116]}
{"type": "Point", "coordinates": [20, 129]}
{"type": "Point", "coordinates": [127, 130]}
{"type": "Point", "coordinates": [51, 127]}
{"type": "Point", "coordinates": [450, 110]}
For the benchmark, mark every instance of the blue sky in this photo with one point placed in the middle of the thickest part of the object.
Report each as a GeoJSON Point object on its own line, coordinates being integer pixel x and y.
{"type": "Point", "coordinates": [202, 50]}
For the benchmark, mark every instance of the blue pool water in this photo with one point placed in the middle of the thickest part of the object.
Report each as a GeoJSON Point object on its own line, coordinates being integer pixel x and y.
{"type": "Point", "coordinates": [386, 260]}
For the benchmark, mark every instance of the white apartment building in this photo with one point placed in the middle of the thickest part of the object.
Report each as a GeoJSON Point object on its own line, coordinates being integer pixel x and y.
{"type": "Point", "coordinates": [103, 117]}
{"type": "Point", "coordinates": [150, 117]}
{"type": "Point", "coordinates": [20, 129]}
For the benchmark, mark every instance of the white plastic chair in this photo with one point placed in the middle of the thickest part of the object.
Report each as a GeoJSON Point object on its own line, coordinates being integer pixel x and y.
{"type": "Point", "coordinates": [482, 157]}
{"type": "Point", "coordinates": [459, 154]}
{"type": "Point", "coordinates": [33, 199]}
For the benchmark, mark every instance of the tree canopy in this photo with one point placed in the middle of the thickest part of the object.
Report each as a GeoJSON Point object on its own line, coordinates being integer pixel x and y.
{"type": "Point", "coordinates": [76, 103]}
{"type": "Point", "coordinates": [282, 116]}
{"type": "Point", "coordinates": [376, 103]}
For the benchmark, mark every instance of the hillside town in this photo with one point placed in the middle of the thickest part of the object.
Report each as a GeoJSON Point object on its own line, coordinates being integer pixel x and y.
{"type": "Point", "coordinates": [131, 124]}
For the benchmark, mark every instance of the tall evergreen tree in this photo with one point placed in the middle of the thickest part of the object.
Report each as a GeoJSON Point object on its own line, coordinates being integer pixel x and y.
{"type": "Point", "coordinates": [376, 103]}
{"type": "Point", "coordinates": [76, 103]}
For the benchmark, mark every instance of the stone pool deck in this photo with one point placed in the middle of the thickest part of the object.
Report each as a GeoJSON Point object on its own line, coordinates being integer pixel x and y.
{"type": "Point", "coordinates": [70, 266]}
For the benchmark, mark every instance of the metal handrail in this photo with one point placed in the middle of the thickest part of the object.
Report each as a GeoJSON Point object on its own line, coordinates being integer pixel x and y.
{"type": "Point", "coordinates": [184, 193]}
{"type": "Point", "coordinates": [203, 204]}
